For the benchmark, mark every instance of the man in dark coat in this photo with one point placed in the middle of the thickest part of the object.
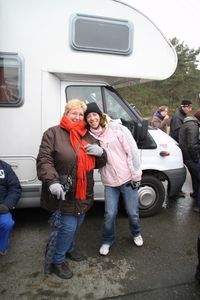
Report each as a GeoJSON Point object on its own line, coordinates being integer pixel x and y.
{"type": "Point", "coordinates": [10, 193]}
{"type": "Point", "coordinates": [177, 119]}
{"type": "Point", "coordinates": [176, 123]}
{"type": "Point", "coordinates": [190, 145]}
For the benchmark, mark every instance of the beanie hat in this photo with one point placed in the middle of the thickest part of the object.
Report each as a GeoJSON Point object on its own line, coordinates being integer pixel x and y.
{"type": "Point", "coordinates": [92, 107]}
{"type": "Point", "coordinates": [186, 103]}
{"type": "Point", "coordinates": [197, 114]}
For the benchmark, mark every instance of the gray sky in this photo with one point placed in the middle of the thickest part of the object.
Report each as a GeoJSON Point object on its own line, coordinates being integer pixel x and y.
{"type": "Point", "coordinates": [175, 18]}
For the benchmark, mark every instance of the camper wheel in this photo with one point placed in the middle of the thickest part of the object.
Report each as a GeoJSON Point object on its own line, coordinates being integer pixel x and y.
{"type": "Point", "coordinates": [151, 195]}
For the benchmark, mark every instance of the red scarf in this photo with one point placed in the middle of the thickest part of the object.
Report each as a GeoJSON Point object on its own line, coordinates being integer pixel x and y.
{"type": "Point", "coordinates": [85, 162]}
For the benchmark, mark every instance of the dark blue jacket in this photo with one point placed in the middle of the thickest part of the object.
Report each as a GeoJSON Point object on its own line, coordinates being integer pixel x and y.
{"type": "Point", "coordinates": [10, 188]}
{"type": "Point", "coordinates": [176, 123]}
{"type": "Point", "coordinates": [189, 139]}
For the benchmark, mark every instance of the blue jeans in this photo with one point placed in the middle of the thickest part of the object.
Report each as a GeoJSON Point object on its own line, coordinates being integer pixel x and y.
{"type": "Point", "coordinates": [6, 226]}
{"type": "Point", "coordinates": [130, 197]}
{"type": "Point", "coordinates": [66, 235]}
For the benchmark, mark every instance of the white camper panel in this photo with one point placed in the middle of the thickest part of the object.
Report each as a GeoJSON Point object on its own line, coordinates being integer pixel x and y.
{"type": "Point", "coordinates": [67, 41]}
{"type": "Point", "coordinates": [41, 31]}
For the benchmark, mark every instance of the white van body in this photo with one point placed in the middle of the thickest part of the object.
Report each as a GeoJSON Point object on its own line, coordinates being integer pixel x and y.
{"type": "Point", "coordinates": [52, 51]}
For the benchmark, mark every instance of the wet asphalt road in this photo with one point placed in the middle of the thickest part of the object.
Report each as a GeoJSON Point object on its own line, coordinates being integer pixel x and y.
{"type": "Point", "coordinates": [163, 268]}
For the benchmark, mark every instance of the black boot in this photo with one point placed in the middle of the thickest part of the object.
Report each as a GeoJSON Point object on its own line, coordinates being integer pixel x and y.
{"type": "Point", "coordinates": [197, 275]}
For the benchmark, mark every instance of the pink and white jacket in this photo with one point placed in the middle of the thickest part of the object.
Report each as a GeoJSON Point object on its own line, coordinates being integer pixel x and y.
{"type": "Point", "coordinates": [123, 162]}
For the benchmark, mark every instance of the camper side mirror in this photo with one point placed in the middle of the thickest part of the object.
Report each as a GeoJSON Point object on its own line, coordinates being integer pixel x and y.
{"type": "Point", "coordinates": [142, 131]}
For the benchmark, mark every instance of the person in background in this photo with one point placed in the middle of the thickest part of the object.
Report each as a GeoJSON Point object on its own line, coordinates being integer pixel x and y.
{"type": "Point", "coordinates": [55, 158]}
{"type": "Point", "coordinates": [176, 123]}
{"type": "Point", "coordinates": [177, 119]}
{"type": "Point", "coordinates": [160, 118]}
{"type": "Point", "coordinates": [197, 274]}
{"type": "Point", "coordinates": [190, 146]}
{"type": "Point", "coordinates": [10, 193]}
{"type": "Point", "coordinates": [121, 174]}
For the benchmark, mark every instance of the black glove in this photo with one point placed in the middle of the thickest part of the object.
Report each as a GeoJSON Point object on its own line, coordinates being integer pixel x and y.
{"type": "Point", "coordinates": [3, 209]}
{"type": "Point", "coordinates": [134, 184]}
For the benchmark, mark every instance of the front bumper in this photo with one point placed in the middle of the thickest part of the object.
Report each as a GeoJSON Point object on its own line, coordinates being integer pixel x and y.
{"type": "Point", "coordinates": [176, 179]}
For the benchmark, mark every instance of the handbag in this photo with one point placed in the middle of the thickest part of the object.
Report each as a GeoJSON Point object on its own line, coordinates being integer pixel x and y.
{"type": "Point", "coordinates": [66, 180]}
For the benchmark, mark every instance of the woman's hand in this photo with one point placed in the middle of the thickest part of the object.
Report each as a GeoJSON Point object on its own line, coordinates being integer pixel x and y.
{"type": "Point", "coordinates": [93, 149]}
{"type": "Point", "coordinates": [57, 190]}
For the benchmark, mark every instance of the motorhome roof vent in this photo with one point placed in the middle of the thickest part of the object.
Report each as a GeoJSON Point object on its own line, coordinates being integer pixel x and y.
{"type": "Point", "coordinates": [99, 34]}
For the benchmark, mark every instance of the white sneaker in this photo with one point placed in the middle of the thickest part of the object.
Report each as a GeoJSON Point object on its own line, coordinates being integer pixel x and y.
{"type": "Point", "coordinates": [104, 250]}
{"type": "Point", "coordinates": [138, 240]}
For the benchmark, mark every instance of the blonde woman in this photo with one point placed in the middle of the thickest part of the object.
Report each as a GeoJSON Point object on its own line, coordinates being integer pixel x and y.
{"type": "Point", "coordinates": [55, 158]}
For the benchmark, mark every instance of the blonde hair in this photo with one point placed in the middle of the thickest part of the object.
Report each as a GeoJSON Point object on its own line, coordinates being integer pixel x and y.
{"type": "Point", "coordinates": [104, 120]}
{"type": "Point", "coordinates": [73, 104]}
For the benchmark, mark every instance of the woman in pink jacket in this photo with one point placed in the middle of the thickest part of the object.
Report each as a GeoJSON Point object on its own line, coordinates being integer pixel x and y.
{"type": "Point", "coordinates": [121, 174]}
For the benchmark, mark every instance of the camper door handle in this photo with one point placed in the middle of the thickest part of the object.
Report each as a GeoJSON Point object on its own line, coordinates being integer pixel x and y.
{"type": "Point", "coordinates": [14, 165]}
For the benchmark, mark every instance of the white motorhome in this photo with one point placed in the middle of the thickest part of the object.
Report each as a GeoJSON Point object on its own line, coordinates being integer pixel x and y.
{"type": "Point", "coordinates": [53, 51]}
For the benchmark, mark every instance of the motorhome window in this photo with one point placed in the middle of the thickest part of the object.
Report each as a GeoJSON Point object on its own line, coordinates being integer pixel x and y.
{"type": "Point", "coordinates": [103, 35]}
{"type": "Point", "coordinates": [11, 86]}
{"type": "Point", "coordinates": [84, 93]}
{"type": "Point", "coordinates": [117, 110]}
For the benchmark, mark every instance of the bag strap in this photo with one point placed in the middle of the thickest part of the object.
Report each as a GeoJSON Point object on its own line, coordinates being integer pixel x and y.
{"type": "Point", "coordinates": [79, 144]}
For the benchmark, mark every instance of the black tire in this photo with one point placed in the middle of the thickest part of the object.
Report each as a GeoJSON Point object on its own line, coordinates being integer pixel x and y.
{"type": "Point", "coordinates": [151, 195]}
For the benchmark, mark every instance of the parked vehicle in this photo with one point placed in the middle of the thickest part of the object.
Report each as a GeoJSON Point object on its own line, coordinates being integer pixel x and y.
{"type": "Point", "coordinates": [54, 51]}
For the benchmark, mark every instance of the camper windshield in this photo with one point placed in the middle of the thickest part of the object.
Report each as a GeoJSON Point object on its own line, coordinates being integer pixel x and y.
{"type": "Point", "coordinates": [108, 101]}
